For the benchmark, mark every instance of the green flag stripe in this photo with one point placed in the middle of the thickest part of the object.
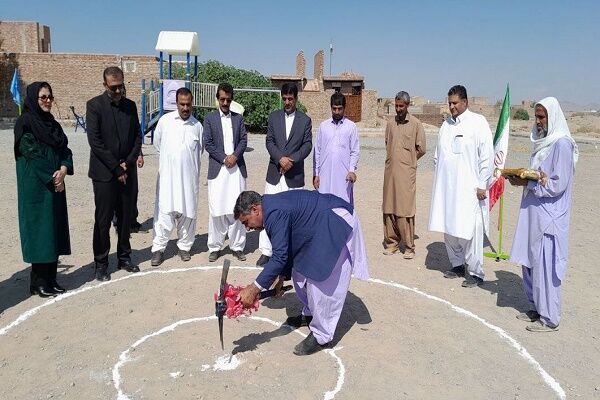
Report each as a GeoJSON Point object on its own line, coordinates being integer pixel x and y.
{"type": "Point", "coordinates": [504, 116]}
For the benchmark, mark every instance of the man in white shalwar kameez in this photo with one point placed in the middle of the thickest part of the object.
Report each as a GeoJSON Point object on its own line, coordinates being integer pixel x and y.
{"type": "Point", "coordinates": [463, 163]}
{"type": "Point", "coordinates": [178, 139]}
{"type": "Point", "coordinates": [225, 140]}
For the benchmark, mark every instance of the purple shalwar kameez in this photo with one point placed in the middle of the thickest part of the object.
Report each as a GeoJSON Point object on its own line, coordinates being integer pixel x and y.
{"type": "Point", "coordinates": [541, 242]}
{"type": "Point", "coordinates": [336, 154]}
{"type": "Point", "coordinates": [324, 300]}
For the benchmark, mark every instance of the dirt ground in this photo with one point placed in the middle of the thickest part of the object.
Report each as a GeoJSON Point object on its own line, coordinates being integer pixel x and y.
{"type": "Point", "coordinates": [406, 334]}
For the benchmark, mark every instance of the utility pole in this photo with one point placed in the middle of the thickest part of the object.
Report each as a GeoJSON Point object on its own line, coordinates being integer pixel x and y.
{"type": "Point", "coordinates": [330, 54]}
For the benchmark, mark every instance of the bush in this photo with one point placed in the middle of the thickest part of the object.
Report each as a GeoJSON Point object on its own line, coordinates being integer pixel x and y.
{"type": "Point", "coordinates": [257, 105]}
{"type": "Point", "coordinates": [521, 115]}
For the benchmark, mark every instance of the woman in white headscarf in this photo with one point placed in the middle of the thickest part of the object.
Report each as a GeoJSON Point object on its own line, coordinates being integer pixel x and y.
{"type": "Point", "coordinates": [541, 242]}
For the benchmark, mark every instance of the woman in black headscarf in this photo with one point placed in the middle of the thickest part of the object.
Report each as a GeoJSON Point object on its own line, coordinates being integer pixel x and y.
{"type": "Point", "coordinates": [43, 161]}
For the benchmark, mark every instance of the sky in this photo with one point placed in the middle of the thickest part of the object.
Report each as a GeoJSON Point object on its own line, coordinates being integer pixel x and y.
{"type": "Point", "coordinates": [540, 49]}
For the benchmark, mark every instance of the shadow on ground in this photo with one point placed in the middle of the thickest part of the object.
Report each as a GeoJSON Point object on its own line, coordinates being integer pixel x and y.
{"type": "Point", "coordinates": [354, 312]}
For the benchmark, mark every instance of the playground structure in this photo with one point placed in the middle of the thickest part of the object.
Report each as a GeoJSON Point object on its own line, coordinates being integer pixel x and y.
{"type": "Point", "coordinates": [182, 44]}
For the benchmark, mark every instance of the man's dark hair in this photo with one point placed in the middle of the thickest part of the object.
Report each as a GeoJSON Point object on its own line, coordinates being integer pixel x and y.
{"type": "Point", "coordinates": [226, 87]}
{"type": "Point", "coordinates": [290, 88]}
{"type": "Point", "coordinates": [459, 90]}
{"type": "Point", "coordinates": [338, 99]}
{"type": "Point", "coordinates": [113, 71]}
{"type": "Point", "coordinates": [183, 91]}
{"type": "Point", "coordinates": [244, 203]}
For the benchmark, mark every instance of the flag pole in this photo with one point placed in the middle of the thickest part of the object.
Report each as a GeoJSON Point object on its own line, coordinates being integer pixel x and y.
{"type": "Point", "coordinates": [19, 110]}
{"type": "Point", "coordinates": [500, 255]}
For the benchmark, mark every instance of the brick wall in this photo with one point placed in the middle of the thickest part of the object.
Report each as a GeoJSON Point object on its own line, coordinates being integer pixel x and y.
{"type": "Point", "coordinates": [300, 65]}
{"type": "Point", "coordinates": [369, 109]}
{"type": "Point", "coordinates": [75, 78]}
{"type": "Point", "coordinates": [317, 107]}
{"type": "Point", "coordinates": [24, 37]}
{"type": "Point", "coordinates": [319, 65]}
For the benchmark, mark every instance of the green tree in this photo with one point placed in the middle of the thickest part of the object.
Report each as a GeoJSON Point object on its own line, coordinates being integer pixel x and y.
{"type": "Point", "coordinates": [521, 115]}
{"type": "Point", "coordinates": [257, 105]}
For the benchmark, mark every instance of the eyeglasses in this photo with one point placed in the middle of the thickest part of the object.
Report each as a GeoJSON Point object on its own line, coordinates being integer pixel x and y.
{"type": "Point", "coordinates": [46, 98]}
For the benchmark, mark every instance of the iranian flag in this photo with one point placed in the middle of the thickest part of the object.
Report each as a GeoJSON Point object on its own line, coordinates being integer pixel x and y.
{"type": "Point", "coordinates": [500, 148]}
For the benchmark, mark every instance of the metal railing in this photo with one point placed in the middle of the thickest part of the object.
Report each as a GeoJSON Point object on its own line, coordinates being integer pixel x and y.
{"type": "Point", "coordinates": [205, 94]}
{"type": "Point", "coordinates": [153, 98]}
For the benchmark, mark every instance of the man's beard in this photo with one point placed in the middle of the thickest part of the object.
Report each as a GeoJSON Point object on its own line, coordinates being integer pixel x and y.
{"type": "Point", "coordinates": [542, 132]}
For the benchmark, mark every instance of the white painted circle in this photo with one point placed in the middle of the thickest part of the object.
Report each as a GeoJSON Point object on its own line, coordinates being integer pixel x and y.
{"type": "Point", "coordinates": [521, 350]}
{"type": "Point", "coordinates": [124, 356]}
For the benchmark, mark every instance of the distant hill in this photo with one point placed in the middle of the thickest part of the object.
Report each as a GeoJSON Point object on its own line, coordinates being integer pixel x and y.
{"type": "Point", "coordinates": [574, 107]}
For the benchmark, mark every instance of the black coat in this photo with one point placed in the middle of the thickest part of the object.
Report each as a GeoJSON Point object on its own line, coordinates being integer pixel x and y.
{"type": "Point", "coordinates": [297, 147]}
{"type": "Point", "coordinates": [114, 135]}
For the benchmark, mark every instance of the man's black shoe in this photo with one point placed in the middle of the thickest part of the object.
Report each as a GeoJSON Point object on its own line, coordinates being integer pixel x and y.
{"type": "Point", "coordinates": [102, 273]}
{"type": "Point", "coordinates": [455, 272]}
{"type": "Point", "coordinates": [309, 346]}
{"type": "Point", "coordinates": [157, 258]}
{"type": "Point", "coordinates": [239, 255]}
{"type": "Point", "coordinates": [471, 281]}
{"type": "Point", "coordinates": [262, 260]}
{"type": "Point", "coordinates": [299, 320]}
{"type": "Point", "coordinates": [214, 256]}
{"type": "Point", "coordinates": [184, 255]}
{"type": "Point", "coordinates": [128, 266]}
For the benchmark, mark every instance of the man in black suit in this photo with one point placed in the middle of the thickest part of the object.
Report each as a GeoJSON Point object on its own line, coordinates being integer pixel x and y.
{"type": "Point", "coordinates": [115, 143]}
{"type": "Point", "coordinates": [225, 140]}
{"type": "Point", "coordinates": [289, 142]}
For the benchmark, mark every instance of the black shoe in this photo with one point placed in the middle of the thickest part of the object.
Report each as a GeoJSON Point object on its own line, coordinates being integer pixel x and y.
{"type": "Point", "coordinates": [309, 346]}
{"type": "Point", "coordinates": [56, 288]}
{"type": "Point", "coordinates": [41, 291]}
{"type": "Point", "coordinates": [102, 273]}
{"type": "Point", "coordinates": [529, 316]}
{"type": "Point", "coordinates": [185, 255]}
{"type": "Point", "coordinates": [455, 272]}
{"type": "Point", "coordinates": [157, 258]}
{"type": "Point", "coordinates": [262, 260]}
{"type": "Point", "coordinates": [298, 320]}
{"type": "Point", "coordinates": [471, 281]}
{"type": "Point", "coordinates": [135, 227]}
{"type": "Point", "coordinates": [214, 256]}
{"type": "Point", "coordinates": [239, 255]}
{"type": "Point", "coordinates": [128, 266]}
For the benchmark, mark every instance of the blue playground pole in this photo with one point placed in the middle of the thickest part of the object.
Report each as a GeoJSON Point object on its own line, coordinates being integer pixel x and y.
{"type": "Point", "coordinates": [187, 71]}
{"type": "Point", "coordinates": [170, 66]}
{"type": "Point", "coordinates": [143, 125]}
{"type": "Point", "coordinates": [160, 77]}
{"type": "Point", "coordinates": [195, 68]}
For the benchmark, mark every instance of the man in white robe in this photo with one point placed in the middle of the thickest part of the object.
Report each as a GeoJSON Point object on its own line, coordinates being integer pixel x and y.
{"type": "Point", "coordinates": [178, 139]}
{"type": "Point", "coordinates": [463, 163]}
{"type": "Point", "coordinates": [225, 140]}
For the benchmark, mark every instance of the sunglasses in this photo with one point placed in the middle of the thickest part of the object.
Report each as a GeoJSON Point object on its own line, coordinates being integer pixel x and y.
{"type": "Point", "coordinates": [46, 98]}
{"type": "Point", "coordinates": [114, 88]}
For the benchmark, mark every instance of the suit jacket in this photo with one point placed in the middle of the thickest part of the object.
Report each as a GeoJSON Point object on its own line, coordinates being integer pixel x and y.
{"type": "Point", "coordinates": [297, 147]}
{"type": "Point", "coordinates": [305, 233]}
{"type": "Point", "coordinates": [114, 136]}
{"type": "Point", "coordinates": [213, 142]}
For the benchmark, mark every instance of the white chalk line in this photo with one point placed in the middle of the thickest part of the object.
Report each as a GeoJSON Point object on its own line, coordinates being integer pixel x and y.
{"type": "Point", "coordinates": [124, 356]}
{"type": "Point", "coordinates": [548, 379]}
{"type": "Point", "coordinates": [522, 351]}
